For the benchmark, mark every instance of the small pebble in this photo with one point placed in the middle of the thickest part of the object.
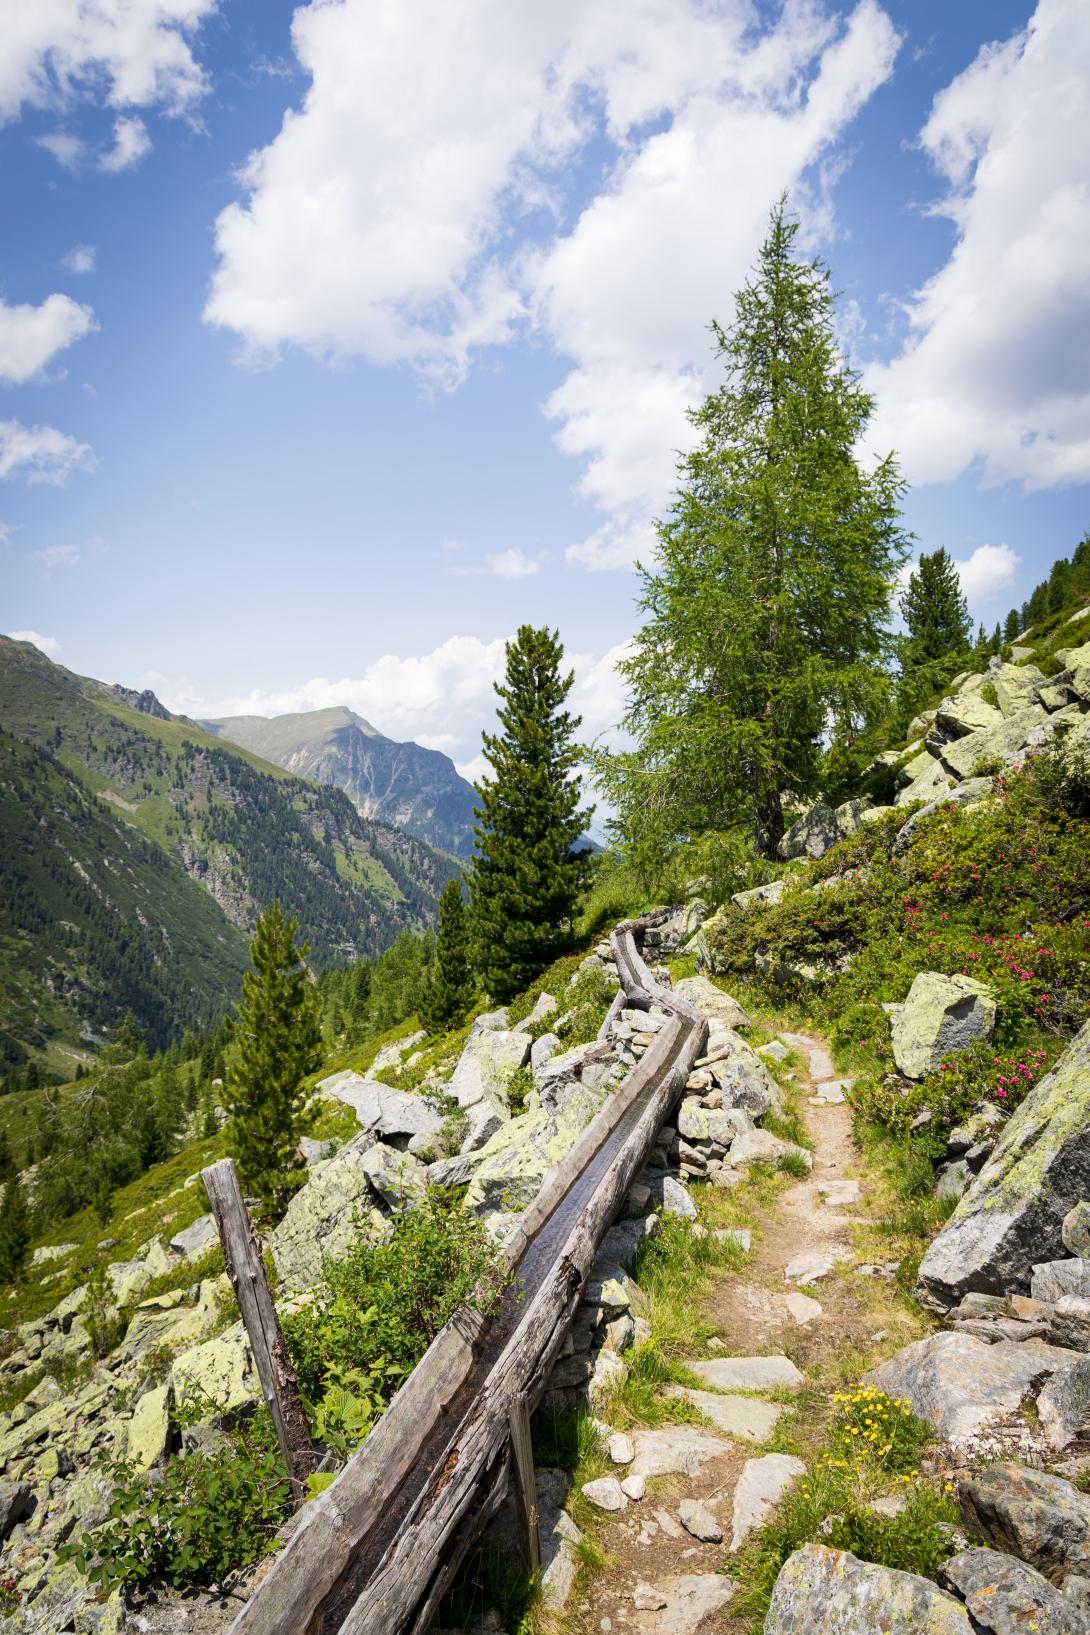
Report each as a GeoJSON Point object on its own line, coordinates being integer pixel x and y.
{"type": "Point", "coordinates": [647, 1598]}
{"type": "Point", "coordinates": [634, 1487]}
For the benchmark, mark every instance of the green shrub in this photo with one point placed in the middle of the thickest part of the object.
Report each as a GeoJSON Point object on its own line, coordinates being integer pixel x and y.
{"type": "Point", "coordinates": [205, 1517]}
{"type": "Point", "coordinates": [871, 1426]}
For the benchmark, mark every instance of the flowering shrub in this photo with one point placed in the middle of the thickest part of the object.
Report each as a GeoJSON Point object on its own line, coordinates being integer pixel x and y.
{"type": "Point", "coordinates": [869, 1424]}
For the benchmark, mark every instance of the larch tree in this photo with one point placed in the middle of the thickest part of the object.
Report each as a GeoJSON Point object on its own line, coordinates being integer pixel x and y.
{"type": "Point", "coordinates": [277, 1043]}
{"type": "Point", "coordinates": [448, 986]}
{"type": "Point", "coordinates": [766, 612]}
{"type": "Point", "coordinates": [526, 874]}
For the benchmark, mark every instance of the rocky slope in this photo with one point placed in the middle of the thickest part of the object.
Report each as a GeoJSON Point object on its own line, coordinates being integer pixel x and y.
{"type": "Point", "coordinates": [239, 830]}
{"type": "Point", "coordinates": [418, 789]}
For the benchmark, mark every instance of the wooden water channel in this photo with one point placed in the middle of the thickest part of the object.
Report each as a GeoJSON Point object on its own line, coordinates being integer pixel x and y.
{"type": "Point", "coordinates": [375, 1552]}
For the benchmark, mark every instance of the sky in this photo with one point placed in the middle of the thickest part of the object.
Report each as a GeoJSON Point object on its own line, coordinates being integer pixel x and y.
{"type": "Point", "coordinates": [338, 340]}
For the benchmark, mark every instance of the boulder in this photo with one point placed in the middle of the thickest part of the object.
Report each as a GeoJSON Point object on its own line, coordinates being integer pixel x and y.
{"type": "Point", "coordinates": [942, 1015]}
{"type": "Point", "coordinates": [542, 1051]}
{"type": "Point", "coordinates": [193, 1240]}
{"type": "Point", "coordinates": [930, 785]}
{"type": "Point", "coordinates": [325, 1218]}
{"type": "Point", "coordinates": [1041, 1519]}
{"type": "Point", "coordinates": [711, 1001]}
{"type": "Point", "coordinates": [149, 1428]}
{"type": "Point", "coordinates": [761, 1147]}
{"type": "Point", "coordinates": [1075, 1230]}
{"type": "Point", "coordinates": [558, 1534]}
{"type": "Point", "coordinates": [1011, 1219]}
{"type": "Point", "coordinates": [1077, 660]}
{"type": "Point", "coordinates": [831, 1592]}
{"type": "Point", "coordinates": [513, 1164]}
{"type": "Point", "coordinates": [959, 1383]}
{"type": "Point", "coordinates": [766, 896]}
{"type": "Point", "coordinates": [1015, 686]}
{"type": "Point", "coordinates": [962, 794]}
{"type": "Point", "coordinates": [1030, 728]}
{"type": "Point", "coordinates": [220, 1374]}
{"type": "Point", "coordinates": [718, 1126]}
{"type": "Point", "coordinates": [485, 1068]}
{"type": "Point", "coordinates": [394, 1115]}
{"type": "Point", "coordinates": [16, 1502]}
{"type": "Point", "coordinates": [1005, 1596]}
{"type": "Point", "coordinates": [1053, 1280]}
{"type": "Point", "coordinates": [1063, 1406]}
{"type": "Point", "coordinates": [396, 1177]}
{"type": "Point", "coordinates": [965, 712]}
{"type": "Point", "coordinates": [820, 828]}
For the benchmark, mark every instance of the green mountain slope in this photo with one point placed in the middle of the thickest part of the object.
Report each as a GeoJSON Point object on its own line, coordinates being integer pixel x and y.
{"type": "Point", "coordinates": [235, 829]}
{"type": "Point", "coordinates": [418, 789]}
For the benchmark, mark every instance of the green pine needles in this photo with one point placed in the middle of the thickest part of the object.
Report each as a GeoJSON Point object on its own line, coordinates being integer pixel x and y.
{"type": "Point", "coordinates": [448, 986]}
{"type": "Point", "coordinates": [767, 611]}
{"type": "Point", "coordinates": [277, 1042]}
{"type": "Point", "coordinates": [526, 876]}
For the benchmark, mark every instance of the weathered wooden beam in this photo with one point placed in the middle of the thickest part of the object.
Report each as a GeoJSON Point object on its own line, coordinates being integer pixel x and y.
{"type": "Point", "coordinates": [246, 1269]}
{"type": "Point", "coordinates": [522, 1480]}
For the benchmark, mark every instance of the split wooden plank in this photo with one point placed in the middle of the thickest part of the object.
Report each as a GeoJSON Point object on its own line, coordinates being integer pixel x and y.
{"type": "Point", "coordinates": [522, 1473]}
{"type": "Point", "coordinates": [275, 1370]}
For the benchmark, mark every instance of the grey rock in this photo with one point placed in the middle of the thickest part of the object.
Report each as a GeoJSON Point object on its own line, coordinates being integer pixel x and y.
{"type": "Point", "coordinates": [1027, 729]}
{"type": "Point", "coordinates": [485, 1068]}
{"type": "Point", "coordinates": [766, 896]}
{"type": "Point", "coordinates": [193, 1240]}
{"type": "Point", "coordinates": [16, 1502]}
{"type": "Point", "coordinates": [451, 1172]}
{"type": "Point", "coordinates": [820, 828]}
{"type": "Point", "coordinates": [605, 1493]}
{"type": "Point", "coordinates": [959, 1383]}
{"type": "Point", "coordinates": [746, 1418]}
{"type": "Point", "coordinates": [1011, 1218]}
{"type": "Point", "coordinates": [691, 1600]}
{"type": "Point", "coordinates": [677, 1200]}
{"type": "Point", "coordinates": [1075, 1230]}
{"type": "Point", "coordinates": [962, 794]}
{"type": "Point", "coordinates": [1069, 1323]}
{"type": "Point", "coordinates": [483, 1122]}
{"type": "Point", "coordinates": [809, 1267]}
{"type": "Point", "coordinates": [1051, 1280]}
{"type": "Point", "coordinates": [748, 1373]}
{"type": "Point", "coordinates": [830, 1592]}
{"type": "Point", "coordinates": [394, 1115]}
{"type": "Point", "coordinates": [1039, 1518]}
{"type": "Point", "coordinates": [1063, 1406]}
{"type": "Point", "coordinates": [760, 1146]}
{"type": "Point", "coordinates": [759, 1489]}
{"type": "Point", "coordinates": [712, 1002]}
{"type": "Point", "coordinates": [676, 1450]}
{"type": "Point", "coordinates": [397, 1177]}
{"type": "Point", "coordinates": [942, 1015]}
{"type": "Point", "coordinates": [325, 1218]}
{"type": "Point", "coordinates": [952, 1180]}
{"type": "Point", "coordinates": [542, 1051]}
{"type": "Point", "coordinates": [558, 1533]}
{"type": "Point", "coordinates": [698, 1520]}
{"type": "Point", "coordinates": [490, 1021]}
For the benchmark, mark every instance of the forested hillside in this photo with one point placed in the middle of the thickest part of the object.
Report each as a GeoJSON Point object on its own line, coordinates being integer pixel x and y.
{"type": "Point", "coordinates": [213, 833]}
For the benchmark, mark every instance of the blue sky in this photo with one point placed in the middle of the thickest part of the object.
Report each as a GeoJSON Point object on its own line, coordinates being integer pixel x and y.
{"type": "Point", "coordinates": [337, 340]}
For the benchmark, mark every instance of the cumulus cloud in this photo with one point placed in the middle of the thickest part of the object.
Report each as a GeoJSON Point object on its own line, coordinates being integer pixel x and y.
{"type": "Point", "coordinates": [40, 454]}
{"type": "Point", "coordinates": [57, 556]}
{"type": "Point", "coordinates": [81, 258]}
{"type": "Point", "coordinates": [131, 143]}
{"type": "Point", "coordinates": [512, 564]}
{"type": "Point", "coordinates": [49, 645]}
{"type": "Point", "coordinates": [990, 569]}
{"type": "Point", "coordinates": [68, 150]}
{"type": "Point", "coordinates": [996, 365]}
{"type": "Point", "coordinates": [442, 699]}
{"type": "Point", "coordinates": [406, 211]}
{"type": "Point", "coordinates": [136, 53]}
{"type": "Point", "coordinates": [31, 336]}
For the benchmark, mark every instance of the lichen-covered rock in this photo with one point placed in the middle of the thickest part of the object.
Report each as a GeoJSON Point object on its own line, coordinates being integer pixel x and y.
{"type": "Point", "coordinates": [941, 1015]}
{"type": "Point", "coordinates": [486, 1066]}
{"type": "Point", "coordinates": [762, 1147]}
{"type": "Point", "coordinates": [516, 1160]}
{"type": "Point", "coordinates": [394, 1115]}
{"type": "Point", "coordinates": [396, 1177]}
{"type": "Point", "coordinates": [717, 1126]}
{"type": "Point", "coordinates": [931, 782]}
{"type": "Point", "coordinates": [1011, 1219]}
{"type": "Point", "coordinates": [766, 896]}
{"type": "Point", "coordinates": [1075, 1231]}
{"type": "Point", "coordinates": [149, 1428]}
{"type": "Point", "coordinates": [1005, 1596]}
{"type": "Point", "coordinates": [219, 1373]}
{"type": "Point", "coordinates": [1030, 728]}
{"type": "Point", "coordinates": [1063, 1407]}
{"type": "Point", "coordinates": [960, 1384]}
{"type": "Point", "coordinates": [712, 1002]}
{"type": "Point", "coordinates": [963, 713]}
{"type": "Point", "coordinates": [1053, 1280]}
{"type": "Point", "coordinates": [325, 1218]}
{"type": "Point", "coordinates": [1040, 1518]}
{"type": "Point", "coordinates": [831, 1592]}
{"type": "Point", "coordinates": [821, 827]}
{"type": "Point", "coordinates": [194, 1239]}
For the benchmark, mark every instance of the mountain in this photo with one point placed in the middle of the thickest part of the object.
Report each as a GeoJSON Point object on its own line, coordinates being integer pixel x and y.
{"type": "Point", "coordinates": [418, 789]}
{"type": "Point", "coordinates": [199, 832]}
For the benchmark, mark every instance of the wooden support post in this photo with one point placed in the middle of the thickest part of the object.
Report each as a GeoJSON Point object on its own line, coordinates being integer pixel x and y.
{"type": "Point", "coordinates": [522, 1479]}
{"type": "Point", "coordinates": [245, 1268]}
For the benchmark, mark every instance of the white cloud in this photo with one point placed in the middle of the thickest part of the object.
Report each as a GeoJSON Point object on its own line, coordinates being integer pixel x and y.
{"type": "Point", "coordinates": [996, 366]}
{"type": "Point", "coordinates": [512, 564]}
{"type": "Point", "coordinates": [31, 336]}
{"type": "Point", "coordinates": [49, 645]}
{"type": "Point", "coordinates": [57, 556]}
{"type": "Point", "coordinates": [131, 142]}
{"type": "Point", "coordinates": [40, 454]}
{"type": "Point", "coordinates": [442, 699]}
{"type": "Point", "coordinates": [134, 53]}
{"type": "Point", "coordinates": [80, 258]}
{"type": "Point", "coordinates": [67, 150]}
{"type": "Point", "coordinates": [398, 212]}
{"type": "Point", "coordinates": [990, 569]}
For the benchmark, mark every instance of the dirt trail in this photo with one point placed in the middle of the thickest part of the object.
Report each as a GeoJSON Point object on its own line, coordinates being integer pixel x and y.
{"type": "Point", "coordinates": [758, 1313]}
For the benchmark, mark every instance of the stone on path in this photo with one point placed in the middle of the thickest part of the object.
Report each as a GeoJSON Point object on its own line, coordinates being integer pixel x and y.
{"type": "Point", "coordinates": [605, 1493]}
{"type": "Point", "coordinates": [667, 1523]}
{"type": "Point", "coordinates": [809, 1267]}
{"type": "Point", "coordinates": [1040, 1518]}
{"type": "Point", "coordinates": [762, 1147]}
{"type": "Point", "coordinates": [698, 1520]}
{"type": "Point", "coordinates": [620, 1448]}
{"type": "Point", "coordinates": [748, 1373]}
{"type": "Point", "coordinates": [839, 1193]}
{"type": "Point", "coordinates": [830, 1592]}
{"type": "Point", "coordinates": [741, 1235]}
{"type": "Point", "coordinates": [830, 1093]}
{"type": "Point", "coordinates": [1005, 1596]}
{"type": "Point", "coordinates": [1011, 1219]}
{"type": "Point", "coordinates": [689, 1601]}
{"type": "Point", "coordinates": [747, 1418]}
{"type": "Point", "coordinates": [676, 1450]}
{"type": "Point", "coordinates": [941, 1015]}
{"type": "Point", "coordinates": [801, 1307]}
{"type": "Point", "coordinates": [959, 1383]}
{"type": "Point", "coordinates": [634, 1487]}
{"type": "Point", "coordinates": [760, 1488]}
{"type": "Point", "coordinates": [646, 1598]}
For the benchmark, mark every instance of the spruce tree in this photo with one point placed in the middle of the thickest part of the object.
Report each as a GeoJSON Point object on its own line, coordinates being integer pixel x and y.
{"type": "Point", "coordinates": [526, 875]}
{"type": "Point", "coordinates": [7, 1162]}
{"type": "Point", "coordinates": [767, 612]}
{"type": "Point", "coordinates": [15, 1230]}
{"type": "Point", "coordinates": [447, 988]}
{"type": "Point", "coordinates": [935, 612]}
{"type": "Point", "coordinates": [277, 1043]}
{"type": "Point", "coordinates": [1013, 625]}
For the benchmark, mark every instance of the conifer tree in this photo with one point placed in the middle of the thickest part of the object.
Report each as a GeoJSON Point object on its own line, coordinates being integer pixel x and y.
{"type": "Point", "coordinates": [526, 875]}
{"type": "Point", "coordinates": [15, 1230]}
{"type": "Point", "coordinates": [1013, 626]}
{"type": "Point", "coordinates": [766, 614]}
{"type": "Point", "coordinates": [360, 993]}
{"type": "Point", "coordinates": [447, 987]}
{"type": "Point", "coordinates": [935, 612]}
{"type": "Point", "coordinates": [277, 1043]}
{"type": "Point", "coordinates": [7, 1162]}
